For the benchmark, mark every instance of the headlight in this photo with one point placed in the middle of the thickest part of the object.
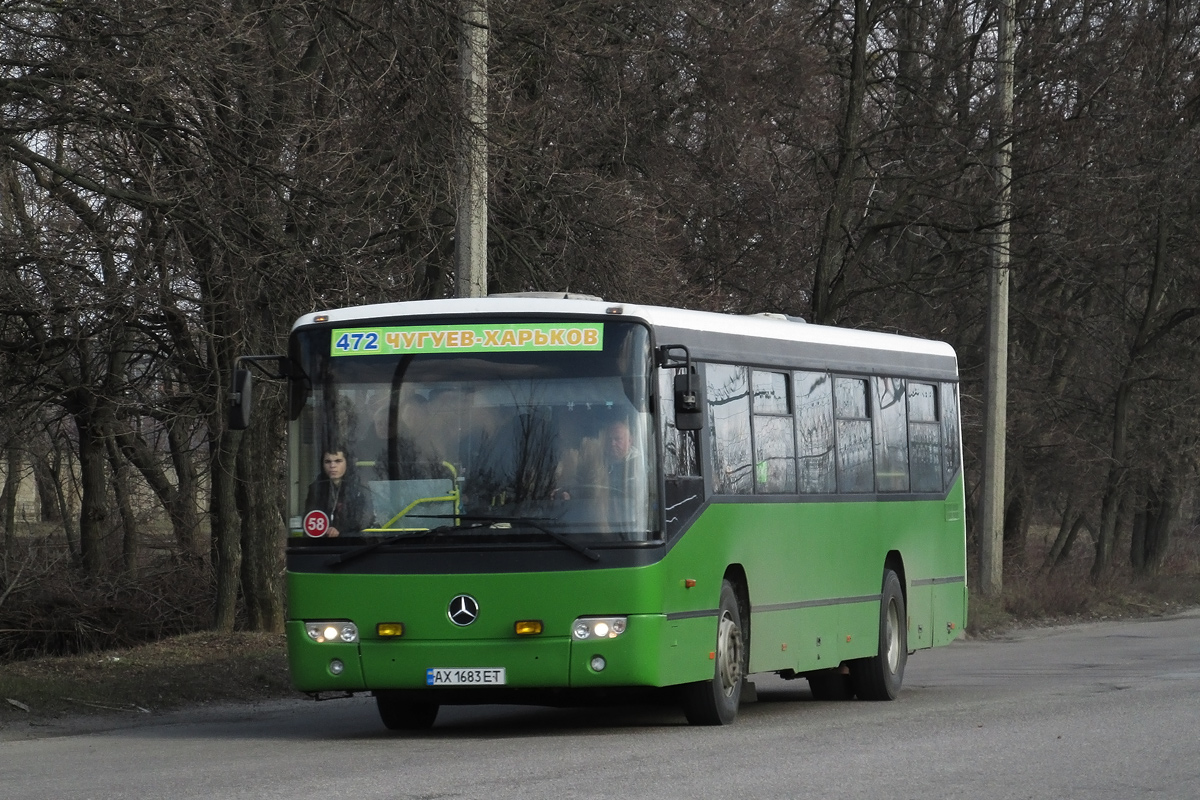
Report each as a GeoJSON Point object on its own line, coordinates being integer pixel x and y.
{"type": "Point", "coordinates": [598, 628]}
{"type": "Point", "coordinates": [334, 631]}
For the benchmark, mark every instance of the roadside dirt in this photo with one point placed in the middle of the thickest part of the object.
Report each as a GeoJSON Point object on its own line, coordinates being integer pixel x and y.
{"type": "Point", "coordinates": [114, 688]}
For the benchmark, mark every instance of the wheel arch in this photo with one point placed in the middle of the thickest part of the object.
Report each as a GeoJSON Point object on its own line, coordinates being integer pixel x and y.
{"type": "Point", "coordinates": [895, 562]}
{"type": "Point", "coordinates": [736, 575]}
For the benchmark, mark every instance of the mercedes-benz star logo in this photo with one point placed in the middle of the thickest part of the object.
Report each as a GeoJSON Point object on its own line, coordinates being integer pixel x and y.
{"type": "Point", "coordinates": [463, 610]}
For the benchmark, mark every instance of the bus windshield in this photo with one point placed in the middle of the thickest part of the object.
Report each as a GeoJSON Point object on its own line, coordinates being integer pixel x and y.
{"type": "Point", "coordinates": [483, 443]}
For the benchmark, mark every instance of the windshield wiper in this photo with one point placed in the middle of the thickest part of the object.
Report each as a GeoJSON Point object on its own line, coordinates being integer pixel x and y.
{"type": "Point", "coordinates": [472, 523]}
{"type": "Point", "coordinates": [566, 541]}
{"type": "Point", "coordinates": [370, 547]}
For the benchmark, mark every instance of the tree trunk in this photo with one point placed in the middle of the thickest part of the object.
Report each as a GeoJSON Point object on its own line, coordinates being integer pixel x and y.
{"type": "Point", "coordinates": [48, 491]}
{"type": "Point", "coordinates": [12, 484]}
{"type": "Point", "coordinates": [178, 499]}
{"type": "Point", "coordinates": [226, 528]}
{"type": "Point", "coordinates": [1068, 530]}
{"type": "Point", "coordinates": [1114, 486]}
{"type": "Point", "coordinates": [63, 500]}
{"type": "Point", "coordinates": [1153, 525]}
{"type": "Point", "coordinates": [185, 515]}
{"type": "Point", "coordinates": [259, 495]}
{"type": "Point", "coordinates": [130, 544]}
{"type": "Point", "coordinates": [93, 512]}
{"type": "Point", "coordinates": [1016, 524]}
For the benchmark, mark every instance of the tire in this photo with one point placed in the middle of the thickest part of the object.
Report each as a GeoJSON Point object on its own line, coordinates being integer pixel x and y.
{"type": "Point", "coordinates": [404, 715]}
{"type": "Point", "coordinates": [716, 701]}
{"type": "Point", "coordinates": [830, 685]}
{"type": "Point", "coordinates": [880, 676]}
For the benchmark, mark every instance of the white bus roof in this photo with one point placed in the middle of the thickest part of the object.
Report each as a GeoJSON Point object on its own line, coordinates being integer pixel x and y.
{"type": "Point", "coordinates": [759, 326]}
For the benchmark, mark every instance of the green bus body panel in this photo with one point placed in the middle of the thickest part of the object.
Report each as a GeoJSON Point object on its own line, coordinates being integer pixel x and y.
{"type": "Point", "coordinates": [652, 651]}
{"type": "Point", "coordinates": [813, 574]}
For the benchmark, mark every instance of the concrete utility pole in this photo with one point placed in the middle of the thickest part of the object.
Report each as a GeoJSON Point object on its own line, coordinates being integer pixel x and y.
{"type": "Point", "coordinates": [991, 518]}
{"type": "Point", "coordinates": [470, 232]}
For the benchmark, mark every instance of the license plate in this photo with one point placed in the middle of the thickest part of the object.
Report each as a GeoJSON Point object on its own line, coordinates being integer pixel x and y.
{"type": "Point", "coordinates": [488, 676]}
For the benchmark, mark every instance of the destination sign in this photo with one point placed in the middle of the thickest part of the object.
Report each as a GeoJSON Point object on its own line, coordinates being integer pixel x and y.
{"type": "Point", "coordinates": [384, 341]}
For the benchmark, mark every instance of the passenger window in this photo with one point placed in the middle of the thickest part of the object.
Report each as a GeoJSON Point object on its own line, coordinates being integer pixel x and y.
{"type": "Point", "coordinates": [771, 393]}
{"type": "Point", "coordinates": [728, 403]}
{"type": "Point", "coordinates": [951, 455]}
{"type": "Point", "coordinates": [774, 435]}
{"type": "Point", "coordinates": [815, 433]}
{"type": "Point", "coordinates": [850, 395]}
{"type": "Point", "coordinates": [681, 455]}
{"type": "Point", "coordinates": [855, 464]}
{"type": "Point", "coordinates": [924, 438]}
{"type": "Point", "coordinates": [891, 435]}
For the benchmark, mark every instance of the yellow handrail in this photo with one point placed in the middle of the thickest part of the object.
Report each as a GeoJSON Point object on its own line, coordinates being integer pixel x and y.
{"type": "Point", "coordinates": [454, 496]}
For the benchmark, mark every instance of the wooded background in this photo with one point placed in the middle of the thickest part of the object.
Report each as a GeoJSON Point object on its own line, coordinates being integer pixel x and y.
{"type": "Point", "coordinates": [179, 181]}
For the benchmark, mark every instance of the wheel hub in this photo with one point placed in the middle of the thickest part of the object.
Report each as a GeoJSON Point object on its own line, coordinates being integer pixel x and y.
{"type": "Point", "coordinates": [893, 638]}
{"type": "Point", "coordinates": [729, 654]}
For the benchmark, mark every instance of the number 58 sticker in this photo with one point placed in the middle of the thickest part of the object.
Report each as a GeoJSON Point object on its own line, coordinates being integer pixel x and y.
{"type": "Point", "coordinates": [316, 523]}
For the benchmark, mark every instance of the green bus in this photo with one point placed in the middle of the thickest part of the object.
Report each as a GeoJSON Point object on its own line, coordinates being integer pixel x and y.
{"type": "Point", "coordinates": [561, 500]}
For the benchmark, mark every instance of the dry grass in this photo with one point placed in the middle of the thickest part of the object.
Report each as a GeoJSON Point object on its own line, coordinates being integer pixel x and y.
{"type": "Point", "coordinates": [177, 672]}
{"type": "Point", "coordinates": [125, 645]}
{"type": "Point", "coordinates": [1033, 597]}
{"type": "Point", "coordinates": [1034, 600]}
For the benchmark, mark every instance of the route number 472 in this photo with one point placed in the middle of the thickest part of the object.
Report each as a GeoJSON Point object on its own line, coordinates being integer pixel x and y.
{"type": "Point", "coordinates": [357, 341]}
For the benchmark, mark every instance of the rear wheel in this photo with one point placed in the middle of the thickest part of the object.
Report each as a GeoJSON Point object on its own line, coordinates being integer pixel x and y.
{"type": "Point", "coordinates": [879, 677]}
{"type": "Point", "coordinates": [399, 714]}
{"type": "Point", "coordinates": [715, 702]}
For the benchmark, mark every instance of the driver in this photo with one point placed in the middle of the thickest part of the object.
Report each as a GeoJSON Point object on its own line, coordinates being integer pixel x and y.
{"type": "Point", "coordinates": [617, 471]}
{"type": "Point", "coordinates": [624, 465]}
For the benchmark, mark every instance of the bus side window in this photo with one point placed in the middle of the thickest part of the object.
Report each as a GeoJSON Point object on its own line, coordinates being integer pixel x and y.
{"type": "Point", "coordinates": [924, 438]}
{"type": "Point", "coordinates": [681, 452]}
{"type": "Point", "coordinates": [774, 434]}
{"type": "Point", "coordinates": [728, 404]}
{"type": "Point", "coordinates": [683, 494]}
{"type": "Point", "coordinates": [951, 437]}
{"type": "Point", "coordinates": [855, 465]}
{"type": "Point", "coordinates": [891, 435]}
{"type": "Point", "coordinates": [814, 432]}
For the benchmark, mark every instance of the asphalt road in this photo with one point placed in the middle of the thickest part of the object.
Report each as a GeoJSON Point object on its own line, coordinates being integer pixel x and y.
{"type": "Point", "coordinates": [1103, 710]}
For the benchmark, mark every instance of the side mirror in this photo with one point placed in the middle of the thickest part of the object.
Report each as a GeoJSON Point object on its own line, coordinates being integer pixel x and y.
{"type": "Point", "coordinates": [689, 411]}
{"type": "Point", "coordinates": [239, 401]}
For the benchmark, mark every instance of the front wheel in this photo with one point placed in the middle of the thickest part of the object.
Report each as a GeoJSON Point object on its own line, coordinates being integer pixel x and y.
{"type": "Point", "coordinates": [879, 677]}
{"type": "Point", "coordinates": [404, 715]}
{"type": "Point", "coordinates": [716, 701]}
